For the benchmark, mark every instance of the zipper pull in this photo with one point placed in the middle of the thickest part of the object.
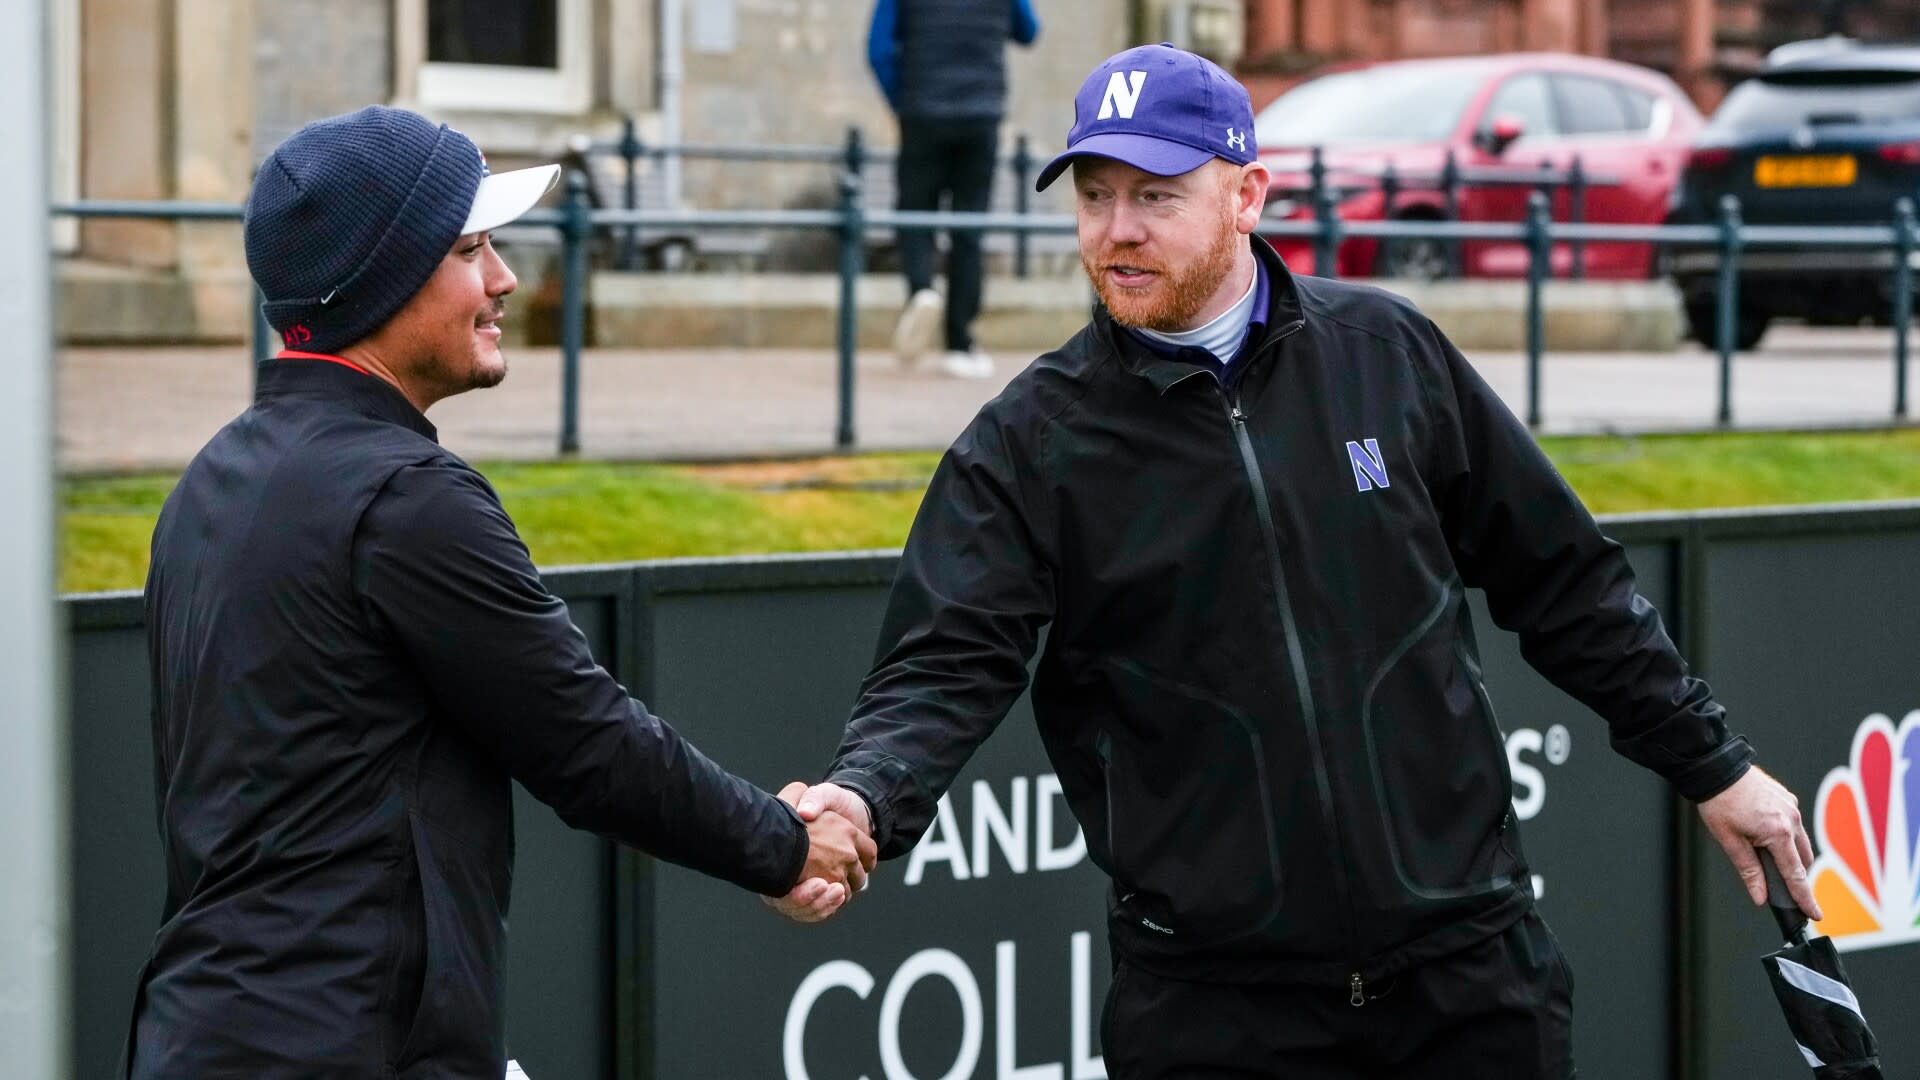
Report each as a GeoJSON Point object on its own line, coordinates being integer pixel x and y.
{"type": "Point", "coordinates": [1238, 416]}
{"type": "Point", "coordinates": [1359, 995]}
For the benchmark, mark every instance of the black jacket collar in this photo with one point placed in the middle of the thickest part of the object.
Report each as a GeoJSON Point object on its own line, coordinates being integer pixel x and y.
{"type": "Point", "coordinates": [1284, 313]}
{"type": "Point", "coordinates": [368, 395]}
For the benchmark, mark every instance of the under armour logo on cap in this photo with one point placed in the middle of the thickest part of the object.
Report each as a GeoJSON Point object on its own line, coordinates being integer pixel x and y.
{"type": "Point", "coordinates": [1160, 109]}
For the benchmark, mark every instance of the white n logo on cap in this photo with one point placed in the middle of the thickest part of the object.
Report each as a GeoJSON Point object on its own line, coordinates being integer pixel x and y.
{"type": "Point", "coordinates": [1120, 96]}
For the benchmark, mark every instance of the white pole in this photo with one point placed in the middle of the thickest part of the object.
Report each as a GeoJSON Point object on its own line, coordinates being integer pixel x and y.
{"type": "Point", "coordinates": [673, 74]}
{"type": "Point", "coordinates": [34, 957]}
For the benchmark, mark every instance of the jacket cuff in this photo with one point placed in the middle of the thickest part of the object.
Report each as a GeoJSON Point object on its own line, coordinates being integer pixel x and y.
{"type": "Point", "coordinates": [1708, 776]}
{"type": "Point", "coordinates": [796, 861]}
{"type": "Point", "coordinates": [863, 785]}
{"type": "Point", "coordinates": [894, 797]}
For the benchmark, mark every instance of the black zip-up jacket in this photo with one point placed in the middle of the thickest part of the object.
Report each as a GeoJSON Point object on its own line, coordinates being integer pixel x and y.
{"type": "Point", "coordinates": [352, 657]}
{"type": "Point", "coordinates": [1260, 689]}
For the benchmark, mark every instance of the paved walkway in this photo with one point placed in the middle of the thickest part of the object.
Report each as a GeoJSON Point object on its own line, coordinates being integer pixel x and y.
{"type": "Point", "coordinates": [152, 408]}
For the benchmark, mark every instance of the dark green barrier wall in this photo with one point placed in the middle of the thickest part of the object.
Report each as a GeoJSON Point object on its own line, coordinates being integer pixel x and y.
{"type": "Point", "coordinates": [118, 882]}
{"type": "Point", "coordinates": [623, 968]}
{"type": "Point", "coordinates": [980, 951]}
{"type": "Point", "coordinates": [1811, 636]}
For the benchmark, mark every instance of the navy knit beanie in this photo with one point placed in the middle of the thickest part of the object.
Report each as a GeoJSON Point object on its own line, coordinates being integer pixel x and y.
{"type": "Point", "coordinates": [349, 218]}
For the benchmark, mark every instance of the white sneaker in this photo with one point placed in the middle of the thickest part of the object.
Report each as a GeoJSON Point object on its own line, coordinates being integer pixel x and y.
{"type": "Point", "coordinates": [913, 335]}
{"type": "Point", "coordinates": [967, 365]}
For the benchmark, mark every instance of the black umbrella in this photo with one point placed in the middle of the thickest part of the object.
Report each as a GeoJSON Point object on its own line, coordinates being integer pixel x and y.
{"type": "Point", "coordinates": [1814, 993]}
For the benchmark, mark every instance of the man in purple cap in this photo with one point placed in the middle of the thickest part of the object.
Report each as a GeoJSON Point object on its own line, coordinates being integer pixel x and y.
{"type": "Point", "coordinates": [1248, 506]}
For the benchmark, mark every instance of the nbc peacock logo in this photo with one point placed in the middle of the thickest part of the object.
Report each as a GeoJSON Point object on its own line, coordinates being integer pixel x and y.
{"type": "Point", "coordinates": [1867, 823]}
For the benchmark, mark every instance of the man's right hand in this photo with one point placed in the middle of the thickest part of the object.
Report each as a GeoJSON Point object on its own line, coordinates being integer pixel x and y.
{"type": "Point", "coordinates": [840, 854]}
{"type": "Point", "coordinates": [822, 798]}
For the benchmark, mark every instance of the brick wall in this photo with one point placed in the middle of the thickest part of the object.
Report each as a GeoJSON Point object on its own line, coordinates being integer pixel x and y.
{"type": "Point", "coordinates": [1287, 38]}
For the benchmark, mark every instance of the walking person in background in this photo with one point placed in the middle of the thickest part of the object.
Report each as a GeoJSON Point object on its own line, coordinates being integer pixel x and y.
{"type": "Point", "coordinates": [942, 64]}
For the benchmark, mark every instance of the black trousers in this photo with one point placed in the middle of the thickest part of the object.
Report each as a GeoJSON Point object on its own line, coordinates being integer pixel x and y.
{"type": "Point", "coordinates": [1502, 1008]}
{"type": "Point", "coordinates": [953, 158]}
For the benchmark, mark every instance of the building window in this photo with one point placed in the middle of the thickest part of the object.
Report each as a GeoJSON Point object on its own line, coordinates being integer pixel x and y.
{"type": "Point", "coordinates": [497, 55]}
{"type": "Point", "coordinates": [503, 33]}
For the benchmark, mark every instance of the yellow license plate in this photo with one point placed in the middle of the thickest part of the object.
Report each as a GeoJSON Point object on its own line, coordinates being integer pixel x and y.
{"type": "Point", "coordinates": [1811, 170]}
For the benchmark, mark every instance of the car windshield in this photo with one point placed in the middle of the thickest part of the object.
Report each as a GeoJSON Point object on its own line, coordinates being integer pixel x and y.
{"type": "Point", "coordinates": [1401, 103]}
{"type": "Point", "coordinates": [1781, 104]}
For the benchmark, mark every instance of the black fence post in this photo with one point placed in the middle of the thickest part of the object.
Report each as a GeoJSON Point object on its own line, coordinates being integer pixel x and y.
{"type": "Point", "coordinates": [1450, 195]}
{"type": "Point", "coordinates": [1577, 214]}
{"type": "Point", "coordinates": [853, 235]}
{"type": "Point", "coordinates": [630, 153]}
{"type": "Point", "coordinates": [573, 306]}
{"type": "Point", "coordinates": [1539, 265]}
{"type": "Point", "coordinates": [1326, 240]}
{"type": "Point", "coordinates": [1903, 226]}
{"type": "Point", "coordinates": [1022, 196]}
{"type": "Point", "coordinates": [1727, 313]}
{"type": "Point", "coordinates": [1389, 194]}
{"type": "Point", "coordinates": [1544, 186]}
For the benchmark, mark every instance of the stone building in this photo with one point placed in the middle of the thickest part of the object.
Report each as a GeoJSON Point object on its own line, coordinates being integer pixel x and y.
{"type": "Point", "coordinates": [179, 99]}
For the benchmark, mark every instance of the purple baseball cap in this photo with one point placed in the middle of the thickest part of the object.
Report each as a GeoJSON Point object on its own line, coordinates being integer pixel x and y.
{"type": "Point", "coordinates": [1161, 110]}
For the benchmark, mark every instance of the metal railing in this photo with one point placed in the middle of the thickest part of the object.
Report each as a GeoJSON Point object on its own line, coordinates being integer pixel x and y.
{"type": "Point", "coordinates": [853, 157]}
{"type": "Point", "coordinates": [1329, 186]}
{"type": "Point", "coordinates": [1326, 186]}
{"type": "Point", "coordinates": [262, 336]}
{"type": "Point", "coordinates": [852, 221]}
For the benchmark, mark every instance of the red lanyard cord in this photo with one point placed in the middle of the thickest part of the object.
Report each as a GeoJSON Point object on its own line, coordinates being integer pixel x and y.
{"type": "Point", "coordinates": [292, 354]}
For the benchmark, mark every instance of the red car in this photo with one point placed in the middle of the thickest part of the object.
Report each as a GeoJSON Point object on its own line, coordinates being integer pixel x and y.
{"type": "Point", "coordinates": [1628, 125]}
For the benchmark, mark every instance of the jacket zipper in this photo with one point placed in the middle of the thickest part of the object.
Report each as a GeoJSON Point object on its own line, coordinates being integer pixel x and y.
{"type": "Point", "coordinates": [1250, 463]}
{"type": "Point", "coordinates": [1493, 723]}
{"type": "Point", "coordinates": [1499, 747]}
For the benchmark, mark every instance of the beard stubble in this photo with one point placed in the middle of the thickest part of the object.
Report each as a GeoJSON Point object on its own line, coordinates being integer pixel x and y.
{"type": "Point", "coordinates": [1171, 305]}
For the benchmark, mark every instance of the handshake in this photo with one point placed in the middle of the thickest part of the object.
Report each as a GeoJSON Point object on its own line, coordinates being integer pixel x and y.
{"type": "Point", "coordinates": [840, 851]}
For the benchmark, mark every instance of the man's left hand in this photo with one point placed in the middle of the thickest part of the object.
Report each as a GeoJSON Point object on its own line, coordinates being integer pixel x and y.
{"type": "Point", "coordinates": [1759, 812]}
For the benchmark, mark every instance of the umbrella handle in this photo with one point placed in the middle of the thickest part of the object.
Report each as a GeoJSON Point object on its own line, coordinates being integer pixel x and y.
{"type": "Point", "coordinates": [1787, 914]}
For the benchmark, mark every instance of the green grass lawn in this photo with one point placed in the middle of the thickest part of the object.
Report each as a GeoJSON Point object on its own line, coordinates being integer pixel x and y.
{"type": "Point", "coordinates": [586, 512]}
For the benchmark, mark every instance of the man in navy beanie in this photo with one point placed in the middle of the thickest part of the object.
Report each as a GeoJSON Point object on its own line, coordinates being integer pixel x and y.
{"type": "Point", "coordinates": [353, 656]}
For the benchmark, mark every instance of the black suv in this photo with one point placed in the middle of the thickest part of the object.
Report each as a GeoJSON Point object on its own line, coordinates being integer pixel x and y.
{"type": "Point", "coordinates": [1827, 134]}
